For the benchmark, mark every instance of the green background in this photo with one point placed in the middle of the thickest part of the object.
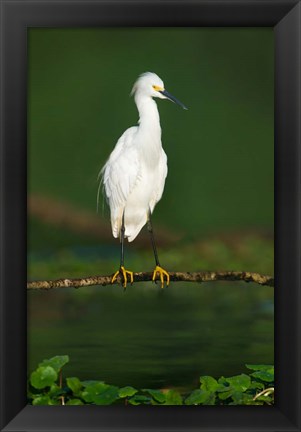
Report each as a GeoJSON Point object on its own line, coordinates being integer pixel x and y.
{"type": "Point", "coordinates": [220, 152]}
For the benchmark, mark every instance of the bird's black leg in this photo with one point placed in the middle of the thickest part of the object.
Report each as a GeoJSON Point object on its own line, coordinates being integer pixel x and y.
{"type": "Point", "coordinates": [122, 270]}
{"type": "Point", "coordinates": [158, 270]}
{"type": "Point", "coordinates": [151, 231]}
{"type": "Point", "coordinates": [122, 230]}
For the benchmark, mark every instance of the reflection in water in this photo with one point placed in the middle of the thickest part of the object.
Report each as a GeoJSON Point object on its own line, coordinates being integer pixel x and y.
{"type": "Point", "coordinates": [148, 337]}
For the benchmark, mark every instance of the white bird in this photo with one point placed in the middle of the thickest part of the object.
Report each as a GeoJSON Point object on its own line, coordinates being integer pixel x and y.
{"type": "Point", "coordinates": [134, 175]}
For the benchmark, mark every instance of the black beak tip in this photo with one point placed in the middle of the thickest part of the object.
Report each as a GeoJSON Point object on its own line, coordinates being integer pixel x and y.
{"type": "Point", "coordinates": [173, 99]}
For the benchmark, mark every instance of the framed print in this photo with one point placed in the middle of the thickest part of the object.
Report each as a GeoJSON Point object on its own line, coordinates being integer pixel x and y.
{"type": "Point", "coordinates": [105, 356]}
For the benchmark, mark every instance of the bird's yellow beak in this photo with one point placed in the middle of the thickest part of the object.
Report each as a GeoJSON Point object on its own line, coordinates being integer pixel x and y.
{"type": "Point", "coordinates": [172, 98]}
{"type": "Point", "coordinates": [158, 88]}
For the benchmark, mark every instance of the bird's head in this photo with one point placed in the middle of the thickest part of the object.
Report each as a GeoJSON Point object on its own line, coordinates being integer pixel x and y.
{"type": "Point", "coordinates": [150, 84]}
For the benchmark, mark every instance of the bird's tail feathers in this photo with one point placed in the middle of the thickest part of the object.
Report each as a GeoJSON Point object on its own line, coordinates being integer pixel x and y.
{"type": "Point", "coordinates": [131, 230]}
{"type": "Point", "coordinates": [116, 221]}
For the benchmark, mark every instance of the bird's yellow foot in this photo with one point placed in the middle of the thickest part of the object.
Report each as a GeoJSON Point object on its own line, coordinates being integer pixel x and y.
{"type": "Point", "coordinates": [124, 273]}
{"type": "Point", "coordinates": [161, 273]}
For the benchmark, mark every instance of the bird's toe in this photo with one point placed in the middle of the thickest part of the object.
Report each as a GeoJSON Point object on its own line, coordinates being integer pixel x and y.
{"type": "Point", "coordinates": [115, 275]}
{"type": "Point", "coordinates": [161, 273]}
{"type": "Point", "coordinates": [125, 274]}
{"type": "Point", "coordinates": [125, 278]}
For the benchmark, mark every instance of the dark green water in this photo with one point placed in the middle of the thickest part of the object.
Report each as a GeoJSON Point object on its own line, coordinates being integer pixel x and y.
{"type": "Point", "coordinates": [148, 337]}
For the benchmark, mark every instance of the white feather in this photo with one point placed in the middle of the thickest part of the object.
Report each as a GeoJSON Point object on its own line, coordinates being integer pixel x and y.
{"type": "Point", "coordinates": [134, 175]}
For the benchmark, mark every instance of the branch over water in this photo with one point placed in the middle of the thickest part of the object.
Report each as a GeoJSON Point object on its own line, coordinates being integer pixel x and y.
{"type": "Point", "coordinates": [208, 276]}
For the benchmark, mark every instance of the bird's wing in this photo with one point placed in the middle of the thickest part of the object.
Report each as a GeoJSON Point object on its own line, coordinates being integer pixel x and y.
{"type": "Point", "coordinates": [161, 176]}
{"type": "Point", "coordinates": [119, 176]}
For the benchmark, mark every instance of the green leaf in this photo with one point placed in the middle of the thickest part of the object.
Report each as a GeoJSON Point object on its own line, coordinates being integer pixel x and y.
{"type": "Point", "coordinates": [209, 383]}
{"type": "Point", "coordinates": [258, 367]}
{"type": "Point", "coordinates": [225, 395]}
{"type": "Point", "coordinates": [55, 390]}
{"type": "Point", "coordinates": [264, 376]}
{"type": "Point", "coordinates": [93, 389]}
{"type": "Point", "coordinates": [263, 372]}
{"type": "Point", "coordinates": [233, 386]}
{"type": "Point", "coordinates": [255, 402]}
{"type": "Point", "coordinates": [43, 377]}
{"type": "Point", "coordinates": [74, 402]}
{"type": "Point", "coordinates": [198, 397]}
{"type": "Point", "coordinates": [107, 397]}
{"type": "Point", "coordinates": [44, 400]}
{"type": "Point", "coordinates": [240, 398]}
{"type": "Point", "coordinates": [56, 362]}
{"type": "Point", "coordinates": [139, 399]}
{"type": "Point", "coordinates": [127, 391]}
{"type": "Point", "coordinates": [172, 397]}
{"type": "Point", "coordinates": [239, 383]}
{"type": "Point", "coordinates": [156, 394]}
{"type": "Point", "coordinates": [41, 400]}
{"type": "Point", "coordinates": [223, 384]}
{"type": "Point", "coordinates": [100, 393]}
{"type": "Point", "coordinates": [75, 385]}
{"type": "Point", "coordinates": [87, 383]}
{"type": "Point", "coordinates": [256, 385]}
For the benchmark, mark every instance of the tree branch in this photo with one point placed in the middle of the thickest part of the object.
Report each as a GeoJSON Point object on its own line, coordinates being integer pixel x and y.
{"type": "Point", "coordinates": [199, 277]}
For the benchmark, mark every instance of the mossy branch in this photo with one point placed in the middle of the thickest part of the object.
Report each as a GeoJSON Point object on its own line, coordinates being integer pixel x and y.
{"type": "Point", "coordinates": [199, 277]}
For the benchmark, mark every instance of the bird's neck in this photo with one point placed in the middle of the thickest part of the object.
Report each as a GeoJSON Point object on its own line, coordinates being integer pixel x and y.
{"type": "Point", "coordinates": [149, 119]}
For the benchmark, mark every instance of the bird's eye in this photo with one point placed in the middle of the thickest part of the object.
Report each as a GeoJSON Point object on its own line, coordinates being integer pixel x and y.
{"type": "Point", "coordinates": [157, 88]}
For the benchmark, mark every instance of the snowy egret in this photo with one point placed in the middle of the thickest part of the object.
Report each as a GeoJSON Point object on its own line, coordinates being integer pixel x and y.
{"type": "Point", "coordinates": [134, 175]}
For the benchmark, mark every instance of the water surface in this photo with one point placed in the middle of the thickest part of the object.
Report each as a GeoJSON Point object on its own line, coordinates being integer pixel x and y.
{"type": "Point", "coordinates": [148, 337]}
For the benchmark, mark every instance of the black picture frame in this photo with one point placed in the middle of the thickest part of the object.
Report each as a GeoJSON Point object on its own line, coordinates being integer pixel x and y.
{"type": "Point", "coordinates": [16, 16]}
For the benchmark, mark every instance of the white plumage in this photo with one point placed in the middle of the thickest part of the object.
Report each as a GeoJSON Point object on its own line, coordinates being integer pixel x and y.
{"type": "Point", "coordinates": [134, 175]}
